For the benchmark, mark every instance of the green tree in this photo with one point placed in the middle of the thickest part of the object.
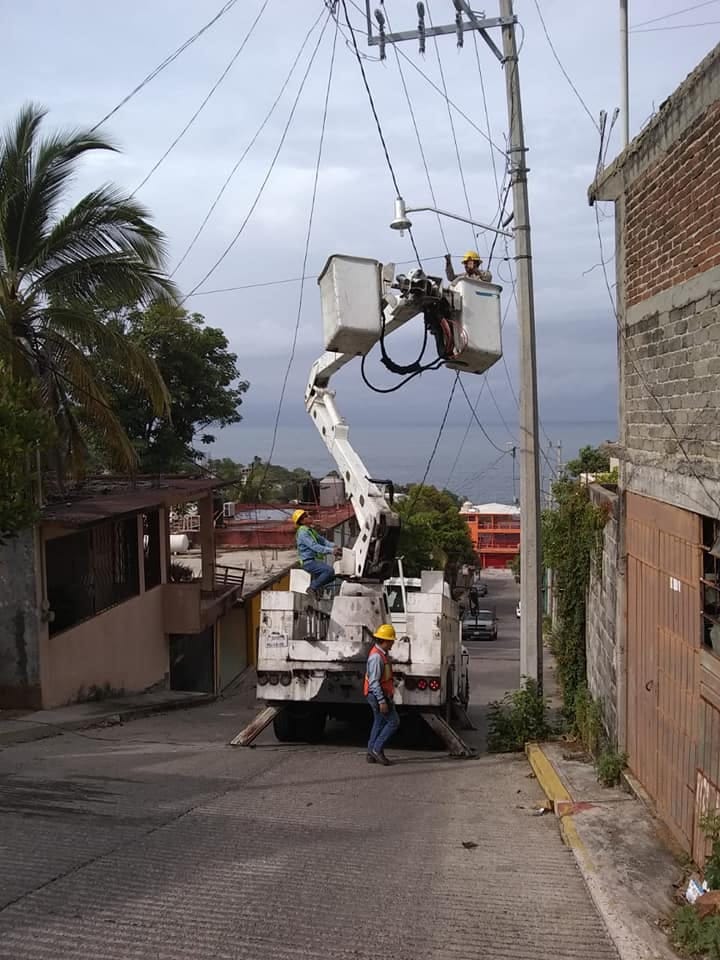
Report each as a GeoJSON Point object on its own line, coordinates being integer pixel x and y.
{"type": "Point", "coordinates": [201, 376]}
{"type": "Point", "coordinates": [433, 534]}
{"type": "Point", "coordinates": [589, 460]}
{"type": "Point", "coordinates": [55, 268]}
{"type": "Point", "coordinates": [25, 431]}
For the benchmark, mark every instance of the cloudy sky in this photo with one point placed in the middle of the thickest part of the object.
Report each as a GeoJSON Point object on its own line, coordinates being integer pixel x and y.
{"type": "Point", "coordinates": [81, 58]}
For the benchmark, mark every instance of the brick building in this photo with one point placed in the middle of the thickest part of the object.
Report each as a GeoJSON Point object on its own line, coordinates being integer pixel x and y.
{"type": "Point", "coordinates": [654, 612]}
{"type": "Point", "coordinates": [495, 532]}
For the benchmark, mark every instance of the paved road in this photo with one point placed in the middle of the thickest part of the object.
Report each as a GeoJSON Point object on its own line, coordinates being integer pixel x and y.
{"type": "Point", "coordinates": [156, 840]}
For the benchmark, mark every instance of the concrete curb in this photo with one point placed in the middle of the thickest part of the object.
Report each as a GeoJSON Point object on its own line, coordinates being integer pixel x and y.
{"type": "Point", "coordinates": [629, 946]}
{"type": "Point", "coordinates": [31, 730]}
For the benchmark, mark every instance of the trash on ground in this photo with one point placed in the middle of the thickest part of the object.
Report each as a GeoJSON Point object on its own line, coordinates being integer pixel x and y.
{"type": "Point", "coordinates": [695, 889]}
{"type": "Point", "coordinates": [469, 844]}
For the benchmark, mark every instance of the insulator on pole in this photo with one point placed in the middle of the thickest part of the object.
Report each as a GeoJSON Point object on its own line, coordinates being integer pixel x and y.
{"type": "Point", "coordinates": [380, 17]}
{"type": "Point", "coordinates": [421, 26]}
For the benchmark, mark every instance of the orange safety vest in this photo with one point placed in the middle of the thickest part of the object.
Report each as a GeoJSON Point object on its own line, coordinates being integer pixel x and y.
{"type": "Point", "coordinates": [388, 687]}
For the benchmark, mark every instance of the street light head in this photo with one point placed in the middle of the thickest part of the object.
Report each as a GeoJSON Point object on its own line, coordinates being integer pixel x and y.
{"type": "Point", "coordinates": [401, 221]}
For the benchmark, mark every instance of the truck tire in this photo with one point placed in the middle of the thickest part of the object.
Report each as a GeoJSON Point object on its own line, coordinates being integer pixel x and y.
{"type": "Point", "coordinates": [312, 726]}
{"type": "Point", "coordinates": [284, 727]}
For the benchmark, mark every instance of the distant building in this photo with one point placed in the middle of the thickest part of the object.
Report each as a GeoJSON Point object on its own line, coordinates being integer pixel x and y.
{"type": "Point", "coordinates": [494, 531]}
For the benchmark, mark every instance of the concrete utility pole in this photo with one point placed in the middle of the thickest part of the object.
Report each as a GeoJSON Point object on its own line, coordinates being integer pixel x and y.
{"type": "Point", "coordinates": [531, 647]}
{"type": "Point", "coordinates": [531, 650]}
{"type": "Point", "coordinates": [624, 73]}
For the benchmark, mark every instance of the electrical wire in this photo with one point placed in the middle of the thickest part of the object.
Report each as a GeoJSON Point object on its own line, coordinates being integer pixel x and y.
{"type": "Point", "coordinates": [452, 125]}
{"type": "Point", "coordinates": [676, 26]}
{"type": "Point", "coordinates": [417, 135]}
{"type": "Point", "coordinates": [420, 487]}
{"type": "Point", "coordinates": [306, 252]}
{"type": "Point", "coordinates": [562, 68]}
{"type": "Point", "coordinates": [491, 466]}
{"type": "Point", "coordinates": [377, 121]}
{"type": "Point", "coordinates": [676, 13]}
{"type": "Point", "coordinates": [260, 191]}
{"type": "Point", "coordinates": [204, 103]}
{"type": "Point", "coordinates": [465, 435]}
{"type": "Point", "coordinates": [477, 420]}
{"type": "Point", "coordinates": [240, 160]}
{"type": "Point", "coordinates": [166, 62]}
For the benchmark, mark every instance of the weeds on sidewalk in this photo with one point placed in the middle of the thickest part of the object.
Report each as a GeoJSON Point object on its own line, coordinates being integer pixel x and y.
{"type": "Point", "coordinates": [696, 937]}
{"type": "Point", "coordinates": [520, 716]}
{"type": "Point", "coordinates": [609, 765]}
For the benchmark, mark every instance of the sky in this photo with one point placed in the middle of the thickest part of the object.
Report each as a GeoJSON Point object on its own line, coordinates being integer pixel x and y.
{"type": "Point", "coordinates": [81, 58]}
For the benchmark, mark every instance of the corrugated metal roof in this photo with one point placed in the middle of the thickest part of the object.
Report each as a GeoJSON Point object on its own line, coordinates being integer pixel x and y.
{"type": "Point", "coordinates": [102, 500]}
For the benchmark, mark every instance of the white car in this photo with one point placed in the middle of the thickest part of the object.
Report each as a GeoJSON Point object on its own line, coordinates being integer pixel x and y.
{"type": "Point", "coordinates": [517, 610]}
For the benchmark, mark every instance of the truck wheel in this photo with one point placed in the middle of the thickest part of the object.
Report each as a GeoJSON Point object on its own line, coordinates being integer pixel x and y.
{"type": "Point", "coordinates": [449, 697]}
{"type": "Point", "coordinates": [312, 726]}
{"type": "Point", "coordinates": [285, 727]}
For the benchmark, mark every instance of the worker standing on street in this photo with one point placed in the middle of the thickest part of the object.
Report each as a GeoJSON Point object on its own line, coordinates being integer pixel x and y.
{"type": "Point", "coordinates": [312, 549]}
{"type": "Point", "coordinates": [471, 261]}
{"type": "Point", "coordinates": [379, 691]}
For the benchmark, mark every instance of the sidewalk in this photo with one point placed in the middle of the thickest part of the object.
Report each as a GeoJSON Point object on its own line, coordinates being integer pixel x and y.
{"type": "Point", "coordinates": [621, 849]}
{"type": "Point", "coordinates": [78, 716]}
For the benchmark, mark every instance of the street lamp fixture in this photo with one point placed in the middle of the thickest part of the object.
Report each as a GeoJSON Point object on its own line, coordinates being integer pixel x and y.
{"type": "Point", "coordinates": [402, 223]}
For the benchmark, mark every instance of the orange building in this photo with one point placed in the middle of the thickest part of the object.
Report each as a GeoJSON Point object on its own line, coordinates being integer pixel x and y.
{"type": "Point", "coordinates": [494, 531]}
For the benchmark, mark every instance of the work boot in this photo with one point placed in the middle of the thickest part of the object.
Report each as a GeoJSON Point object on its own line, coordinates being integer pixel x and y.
{"type": "Point", "coordinates": [381, 758]}
{"type": "Point", "coordinates": [371, 757]}
{"type": "Point", "coordinates": [312, 594]}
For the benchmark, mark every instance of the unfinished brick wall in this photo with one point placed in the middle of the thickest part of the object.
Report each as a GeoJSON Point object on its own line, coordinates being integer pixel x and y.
{"type": "Point", "coordinates": [672, 226]}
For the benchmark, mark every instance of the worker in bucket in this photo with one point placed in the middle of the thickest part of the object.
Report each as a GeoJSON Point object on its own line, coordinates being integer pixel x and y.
{"type": "Point", "coordinates": [378, 690]}
{"type": "Point", "coordinates": [312, 550]}
{"type": "Point", "coordinates": [471, 261]}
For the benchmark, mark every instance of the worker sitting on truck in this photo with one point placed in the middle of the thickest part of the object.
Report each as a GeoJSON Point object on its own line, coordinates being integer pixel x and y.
{"type": "Point", "coordinates": [379, 690]}
{"type": "Point", "coordinates": [312, 548]}
{"type": "Point", "coordinates": [471, 261]}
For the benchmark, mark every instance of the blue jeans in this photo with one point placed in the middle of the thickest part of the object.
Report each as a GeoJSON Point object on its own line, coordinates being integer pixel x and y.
{"type": "Point", "coordinates": [321, 573]}
{"type": "Point", "coordinates": [384, 725]}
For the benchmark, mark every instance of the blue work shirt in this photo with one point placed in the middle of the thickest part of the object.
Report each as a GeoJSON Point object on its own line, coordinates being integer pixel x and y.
{"type": "Point", "coordinates": [375, 668]}
{"type": "Point", "coordinates": [311, 546]}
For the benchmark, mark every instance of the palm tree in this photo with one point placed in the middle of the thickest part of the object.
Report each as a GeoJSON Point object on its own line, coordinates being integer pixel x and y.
{"type": "Point", "coordinates": [58, 272]}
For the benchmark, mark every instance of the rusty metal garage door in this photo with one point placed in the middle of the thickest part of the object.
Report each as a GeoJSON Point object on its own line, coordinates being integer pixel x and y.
{"type": "Point", "coordinates": [663, 648]}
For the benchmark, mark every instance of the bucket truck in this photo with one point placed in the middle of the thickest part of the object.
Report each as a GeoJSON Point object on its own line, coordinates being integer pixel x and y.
{"type": "Point", "coordinates": [312, 652]}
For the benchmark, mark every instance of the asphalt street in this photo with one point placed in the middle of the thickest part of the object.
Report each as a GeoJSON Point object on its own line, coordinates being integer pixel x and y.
{"type": "Point", "coordinates": [155, 839]}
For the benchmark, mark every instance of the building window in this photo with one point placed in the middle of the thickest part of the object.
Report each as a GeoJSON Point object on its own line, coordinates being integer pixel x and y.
{"type": "Point", "coordinates": [90, 571]}
{"type": "Point", "coordinates": [151, 548]}
{"type": "Point", "coordinates": [710, 584]}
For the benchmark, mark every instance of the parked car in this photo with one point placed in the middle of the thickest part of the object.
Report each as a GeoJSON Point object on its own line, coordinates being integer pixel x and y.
{"type": "Point", "coordinates": [481, 625]}
{"type": "Point", "coordinates": [517, 610]}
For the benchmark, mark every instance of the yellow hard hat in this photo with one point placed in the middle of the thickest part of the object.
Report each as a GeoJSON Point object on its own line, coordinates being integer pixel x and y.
{"type": "Point", "coordinates": [298, 515]}
{"type": "Point", "coordinates": [471, 255]}
{"type": "Point", "coordinates": [386, 631]}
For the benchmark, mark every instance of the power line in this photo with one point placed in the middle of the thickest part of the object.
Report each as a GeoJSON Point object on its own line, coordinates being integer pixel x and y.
{"type": "Point", "coordinates": [166, 62]}
{"type": "Point", "coordinates": [259, 193]}
{"type": "Point", "coordinates": [417, 135]}
{"type": "Point", "coordinates": [452, 127]}
{"type": "Point", "coordinates": [477, 420]}
{"type": "Point", "coordinates": [419, 488]}
{"type": "Point", "coordinates": [491, 466]}
{"type": "Point", "coordinates": [377, 121]}
{"type": "Point", "coordinates": [563, 70]}
{"type": "Point", "coordinates": [677, 26]}
{"type": "Point", "coordinates": [465, 435]}
{"type": "Point", "coordinates": [202, 106]}
{"type": "Point", "coordinates": [247, 149]}
{"type": "Point", "coordinates": [305, 257]}
{"type": "Point", "coordinates": [667, 16]}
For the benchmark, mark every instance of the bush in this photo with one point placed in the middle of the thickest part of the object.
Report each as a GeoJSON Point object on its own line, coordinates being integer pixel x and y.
{"type": "Point", "coordinates": [696, 937]}
{"type": "Point", "coordinates": [519, 717]}
{"type": "Point", "coordinates": [609, 765]}
{"type": "Point", "coordinates": [588, 721]}
{"type": "Point", "coordinates": [710, 825]}
{"type": "Point", "coordinates": [180, 573]}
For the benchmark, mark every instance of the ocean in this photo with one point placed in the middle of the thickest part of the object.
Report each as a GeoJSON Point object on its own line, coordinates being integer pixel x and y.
{"type": "Point", "coordinates": [468, 465]}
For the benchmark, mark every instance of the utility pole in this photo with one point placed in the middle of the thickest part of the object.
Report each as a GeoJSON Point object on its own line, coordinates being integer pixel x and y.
{"type": "Point", "coordinates": [624, 73]}
{"type": "Point", "coordinates": [531, 649]}
{"type": "Point", "coordinates": [531, 646]}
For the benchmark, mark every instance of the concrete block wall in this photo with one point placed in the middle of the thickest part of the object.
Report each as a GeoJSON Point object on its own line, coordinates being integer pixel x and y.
{"type": "Point", "coordinates": [600, 638]}
{"type": "Point", "coordinates": [19, 624]}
